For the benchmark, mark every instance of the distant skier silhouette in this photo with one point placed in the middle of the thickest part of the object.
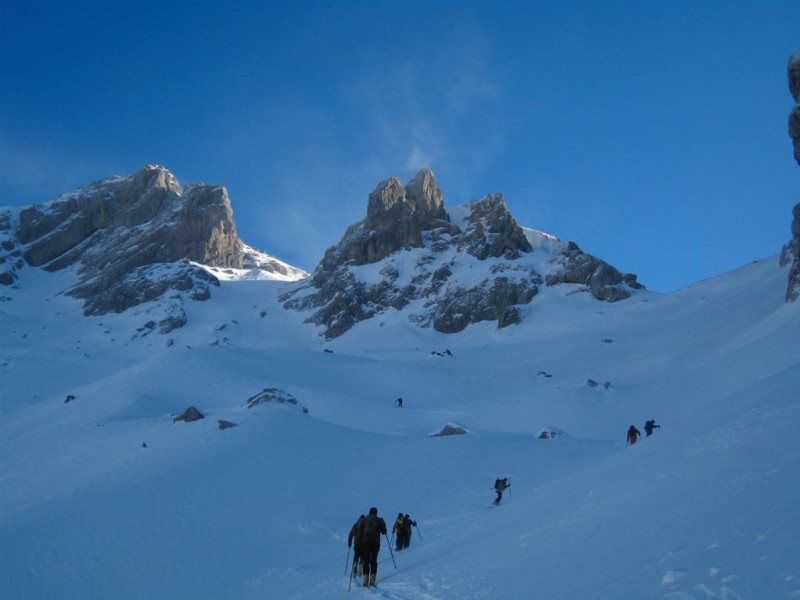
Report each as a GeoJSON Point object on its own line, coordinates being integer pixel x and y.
{"type": "Point", "coordinates": [648, 427]}
{"type": "Point", "coordinates": [499, 487]}
{"type": "Point", "coordinates": [633, 435]}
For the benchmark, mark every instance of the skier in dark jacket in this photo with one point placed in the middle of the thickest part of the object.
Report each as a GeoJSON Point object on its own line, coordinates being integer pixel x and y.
{"type": "Point", "coordinates": [409, 523]}
{"type": "Point", "coordinates": [371, 530]}
{"type": "Point", "coordinates": [648, 427]}
{"type": "Point", "coordinates": [633, 435]}
{"type": "Point", "coordinates": [499, 487]}
{"type": "Point", "coordinates": [354, 541]}
{"type": "Point", "coordinates": [399, 531]}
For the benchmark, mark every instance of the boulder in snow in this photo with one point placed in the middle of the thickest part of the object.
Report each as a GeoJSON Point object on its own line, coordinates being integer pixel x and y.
{"type": "Point", "coordinates": [189, 415]}
{"type": "Point", "coordinates": [450, 429]}
{"type": "Point", "coordinates": [550, 433]}
{"type": "Point", "coordinates": [273, 396]}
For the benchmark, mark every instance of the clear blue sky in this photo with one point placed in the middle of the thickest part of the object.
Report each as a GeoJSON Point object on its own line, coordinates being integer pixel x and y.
{"type": "Point", "coordinates": [653, 134]}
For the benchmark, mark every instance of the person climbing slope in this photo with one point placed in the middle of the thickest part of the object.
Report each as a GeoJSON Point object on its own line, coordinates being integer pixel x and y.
{"type": "Point", "coordinates": [633, 435]}
{"type": "Point", "coordinates": [371, 530]}
{"type": "Point", "coordinates": [409, 523]}
{"type": "Point", "coordinates": [399, 531]}
{"type": "Point", "coordinates": [499, 487]}
{"type": "Point", "coordinates": [649, 426]}
{"type": "Point", "coordinates": [354, 541]}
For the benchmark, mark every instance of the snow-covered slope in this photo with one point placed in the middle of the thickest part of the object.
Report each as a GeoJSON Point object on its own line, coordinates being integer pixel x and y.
{"type": "Point", "coordinates": [105, 496]}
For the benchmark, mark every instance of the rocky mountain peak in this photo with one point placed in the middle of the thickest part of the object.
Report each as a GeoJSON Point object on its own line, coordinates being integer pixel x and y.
{"type": "Point", "coordinates": [426, 196]}
{"type": "Point", "coordinates": [396, 217]}
{"type": "Point", "coordinates": [130, 239]}
{"type": "Point", "coordinates": [418, 203]}
{"type": "Point", "coordinates": [409, 255]}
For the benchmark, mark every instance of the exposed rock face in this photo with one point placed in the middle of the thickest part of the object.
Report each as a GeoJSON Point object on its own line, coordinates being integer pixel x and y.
{"type": "Point", "coordinates": [130, 239]}
{"type": "Point", "coordinates": [492, 232]}
{"type": "Point", "coordinates": [794, 117]}
{"type": "Point", "coordinates": [602, 280]}
{"type": "Point", "coordinates": [11, 260]}
{"type": "Point", "coordinates": [396, 217]}
{"type": "Point", "coordinates": [791, 255]}
{"type": "Point", "coordinates": [195, 223]}
{"type": "Point", "coordinates": [791, 251]}
{"type": "Point", "coordinates": [408, 254]}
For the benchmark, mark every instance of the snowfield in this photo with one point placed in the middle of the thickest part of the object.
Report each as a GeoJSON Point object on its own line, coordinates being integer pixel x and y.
{"type": "Point", "coordinates": [105, 497]}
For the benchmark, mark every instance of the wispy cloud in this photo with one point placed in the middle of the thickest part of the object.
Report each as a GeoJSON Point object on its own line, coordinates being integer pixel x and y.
{"type": "Point", "coordinates": [444, 113]}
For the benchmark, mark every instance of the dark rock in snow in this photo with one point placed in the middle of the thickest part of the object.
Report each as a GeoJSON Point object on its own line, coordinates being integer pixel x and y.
{"type": "Point", "coordinates": [189, 415]}
{"type": "Point", "coordinates": [550, 433]}
{"type": "Point", "coordinates": [450, 429]}
{"type": "Point", "coordinates": [222, 425]}
{"type": "Point", "coordinates": [273, 396]}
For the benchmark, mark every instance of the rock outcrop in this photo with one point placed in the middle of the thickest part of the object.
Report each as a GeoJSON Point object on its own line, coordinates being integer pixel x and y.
{"type": "Point", "coordinates": [396, 217]}
{"type": "Point", "coordinates": [790, 255]}
{"type": "Point", "coordinates": [601, 279]}
{"type": "Point", "coordinates": [190, 415]}
{"type": "Point", "coordinates": [130, 240]}
{"type": "Point", "coordinates": [794, 116]}
{"type": "Point", "coordinates": [409, 254]}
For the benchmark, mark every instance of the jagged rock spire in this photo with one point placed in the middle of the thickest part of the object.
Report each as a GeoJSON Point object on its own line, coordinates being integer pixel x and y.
{"type": "Point", "coordinates": [794, 116]}
{"type": "Point", "coordinates": [791, 251]}
{"type": "Point", "coordinates": [396, 217]}
{"type": "Point", "coordinates": [455, 273]}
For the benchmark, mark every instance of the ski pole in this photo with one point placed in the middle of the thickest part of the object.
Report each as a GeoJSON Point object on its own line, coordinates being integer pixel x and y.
{"type": "Point", "coordinates": [418, 533]}
{"type": "Point", "coordinates": [347, 561]}
{"type": "Point", "coordinates": [390, 549]}
{"type": "Point", "coordinates": [349, 583]}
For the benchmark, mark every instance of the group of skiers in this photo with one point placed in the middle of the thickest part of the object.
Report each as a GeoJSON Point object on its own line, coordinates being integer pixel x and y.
{"type": "Point", "coordinates": [634, 434]}
{"type": "Point", "coordinates": [365, 540]}
{"type": "Point", "coordinates": [365, 534]}
{"type": "Point", "coordinates": [402, 531]}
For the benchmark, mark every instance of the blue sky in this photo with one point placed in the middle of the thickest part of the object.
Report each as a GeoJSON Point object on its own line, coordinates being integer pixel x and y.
{"type": "Point", "coordinates": [653, 134]}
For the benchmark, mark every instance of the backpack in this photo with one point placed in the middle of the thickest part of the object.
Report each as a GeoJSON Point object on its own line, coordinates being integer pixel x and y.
{"type": "Point", "coordinates": [370, 529]}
